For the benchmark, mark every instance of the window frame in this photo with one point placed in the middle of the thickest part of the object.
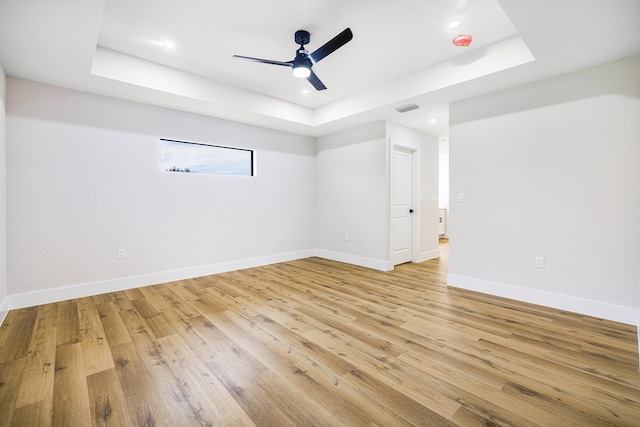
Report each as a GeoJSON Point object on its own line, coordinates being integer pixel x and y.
{"type": "Point", "coordinates": [250, 151]}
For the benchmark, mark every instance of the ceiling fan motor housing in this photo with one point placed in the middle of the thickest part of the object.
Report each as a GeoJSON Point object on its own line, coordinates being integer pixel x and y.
{"type": "Point", "coordinates": [302, 37]}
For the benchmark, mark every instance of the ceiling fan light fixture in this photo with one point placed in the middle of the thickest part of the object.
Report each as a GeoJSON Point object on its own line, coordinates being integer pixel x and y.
{"type": "Point", "coordinates": [301, 71]}
{"type": "Point", "coordinates": [302, 67]}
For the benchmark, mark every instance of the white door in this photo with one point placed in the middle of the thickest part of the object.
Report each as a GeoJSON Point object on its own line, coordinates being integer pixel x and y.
{"type": "Point", "coordinates": [402, 205]}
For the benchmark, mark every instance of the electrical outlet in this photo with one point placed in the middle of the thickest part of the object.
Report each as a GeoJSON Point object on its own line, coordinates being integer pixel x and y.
{"type": "Point", "coordinates": [539, 262]}
{"type": "Point", "coordinates": [121, 254]}
{"type": "Point", "coordinates": [346, 237]}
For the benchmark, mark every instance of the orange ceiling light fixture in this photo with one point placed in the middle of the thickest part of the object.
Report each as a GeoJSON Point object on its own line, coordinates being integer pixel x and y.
{"type": "Point", "coordinates": [463, 40]}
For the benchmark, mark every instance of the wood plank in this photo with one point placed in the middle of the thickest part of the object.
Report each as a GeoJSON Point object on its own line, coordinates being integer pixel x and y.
{"type": "Point", "coordinates": [145, 407]}
{"type": "Point", "coordinates": [107, 399]}
{"type": "Point", "coordinates": [114, 328]}
{"type": "Point", "coordinates": [68, 330]}
{"type": "Point", "coordinates": [118, 299]}
{"type": "Point", "coordinates": [10, 377]}
{"type": "Point", "coordinates": [96, 349]}
{"type": "Point", "coordinates": [156, 321]}
{"type": "Point", "coordinates": [38, 374]}
{"type": "Point", "coordinates": [70, 395]}
{"type": "Point", "coordinates": [34, 414]}
{"type": "Point", "coordinates": [17, 333]}
{"type": "Point", "coordinates": [133, 294]}
{"type": "Point", "coordinates": [39, 371]}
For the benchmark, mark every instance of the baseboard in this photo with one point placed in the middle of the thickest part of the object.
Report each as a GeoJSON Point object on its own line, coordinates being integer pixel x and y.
{"type": "Point", "coordinates": [355, 260]}
{"type": "Point", "coordinates": [4, 309]}
{"type": "Point", "coordinates": [88, 289]}
{"type": "Point", "coordinates": [426, 256]}
{"type": "Point", "coordinates": [617, 313]}
{"type": "Point", "coordinates": [638, 331]}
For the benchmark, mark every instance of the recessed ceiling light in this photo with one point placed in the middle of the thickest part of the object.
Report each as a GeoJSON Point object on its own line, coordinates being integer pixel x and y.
{"type": "Point", "coordinates": [433, 120]}
{"type": "Point", "coordinates": [454, 24]}
{"type": "Point", "coordinates": [305, 91]}
{"type": "Point", "coordinates": [165, 44]}
{"type": "Point", "coordinates": [168, 44]}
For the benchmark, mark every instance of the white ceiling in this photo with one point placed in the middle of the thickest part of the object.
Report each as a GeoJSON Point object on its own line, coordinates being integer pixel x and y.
{"type": "Point", "coordinates": [402, 52]}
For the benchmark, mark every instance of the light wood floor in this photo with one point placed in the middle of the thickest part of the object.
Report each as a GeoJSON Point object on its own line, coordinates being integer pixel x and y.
{"type": "Point", "coordinates": [314, 343]}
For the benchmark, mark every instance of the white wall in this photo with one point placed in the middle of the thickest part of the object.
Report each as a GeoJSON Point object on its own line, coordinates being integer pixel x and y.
{"type": "Point", "coordinates": [443, 175]}
{"type": "Point", "coordinates": [443, 183]}
{"type": "Point", "coordinates": [3, 198]}
{"type": "Point", "coordinates": [352, 194]}
{"type": "Point", "coordinates": [84, 181]}
{"type": "Point", "coordinates": [551, 169]}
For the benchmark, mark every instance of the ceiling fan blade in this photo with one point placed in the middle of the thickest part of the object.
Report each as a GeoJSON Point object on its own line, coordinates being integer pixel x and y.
{"type": "Point", "coordinates": [263, 61]}
{"type": "Point", "coordinates": [332, 45]}
{"type": "Point", "coordinates": [315, 81]}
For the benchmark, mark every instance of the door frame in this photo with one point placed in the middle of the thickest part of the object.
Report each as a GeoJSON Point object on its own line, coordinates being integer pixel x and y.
{"type": "Point", "coordinates": [416, 196]}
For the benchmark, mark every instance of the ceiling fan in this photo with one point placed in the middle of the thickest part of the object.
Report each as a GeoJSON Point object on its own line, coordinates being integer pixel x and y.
{"type": "Point", "coordinates": [302, 63]}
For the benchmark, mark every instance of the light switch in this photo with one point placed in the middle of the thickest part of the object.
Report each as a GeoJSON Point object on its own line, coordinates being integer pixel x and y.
{"type": "Point", "coordinates": [462, 197]}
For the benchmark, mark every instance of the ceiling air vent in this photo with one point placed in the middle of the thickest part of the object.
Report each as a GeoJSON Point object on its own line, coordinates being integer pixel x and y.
{"type": "Point", "coordinates": [407, 108]}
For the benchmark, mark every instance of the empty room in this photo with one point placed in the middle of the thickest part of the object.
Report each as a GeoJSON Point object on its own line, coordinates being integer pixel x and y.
{"type": "Point", "coordinates": [297, 213]}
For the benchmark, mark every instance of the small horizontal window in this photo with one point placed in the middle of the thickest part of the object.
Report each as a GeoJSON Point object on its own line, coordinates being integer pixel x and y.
{"type": "Point", "coordinates": [192, 157]}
